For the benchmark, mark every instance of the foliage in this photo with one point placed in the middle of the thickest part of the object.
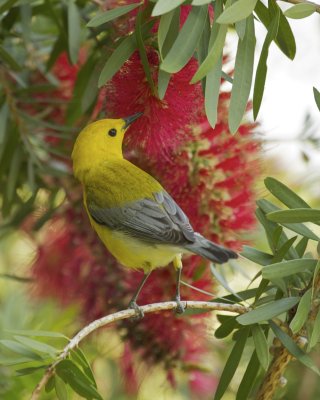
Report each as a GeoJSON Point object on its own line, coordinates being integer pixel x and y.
{"type": "Point", "coordinates": [60, 62]}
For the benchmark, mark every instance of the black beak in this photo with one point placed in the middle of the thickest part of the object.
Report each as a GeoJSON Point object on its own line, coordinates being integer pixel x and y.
{"type": "Point", "coordinates": [129, 120]}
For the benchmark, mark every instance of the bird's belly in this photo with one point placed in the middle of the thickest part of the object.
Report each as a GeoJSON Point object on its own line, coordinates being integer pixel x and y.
{"type": "Point", "coordinates": [134, 253]}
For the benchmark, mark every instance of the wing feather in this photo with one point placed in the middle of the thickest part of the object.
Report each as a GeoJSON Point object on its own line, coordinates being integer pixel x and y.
{"type": "Point", "coordinates": [156, 220]}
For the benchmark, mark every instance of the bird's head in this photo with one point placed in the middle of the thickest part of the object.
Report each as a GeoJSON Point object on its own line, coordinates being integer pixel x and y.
{"type": "Point", "coordinates": [99, 142]}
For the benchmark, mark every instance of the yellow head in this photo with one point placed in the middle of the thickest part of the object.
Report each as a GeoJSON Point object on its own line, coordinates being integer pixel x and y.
{"type": "Point", "coordinates": [99, 142]}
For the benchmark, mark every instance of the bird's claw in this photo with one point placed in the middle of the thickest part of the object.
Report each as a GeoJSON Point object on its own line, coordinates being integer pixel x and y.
{"type": "Point", "coordinates": [139, 313]}
{"type": "Point", "coordinates": [180, 307]}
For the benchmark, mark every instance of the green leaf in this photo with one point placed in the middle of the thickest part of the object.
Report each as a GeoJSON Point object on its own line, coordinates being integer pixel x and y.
{"type": "Point", "coordinates": [301, 246]}
{"type": "Point", "coordinates": [203, 46]}
{"type": "Point", "coordinates": [110, 15]}
{"type": "Point", "coordinates": [314, 279]}
{"type": "Point", "coordinates": [262, 64]}
{"type": "Point", "coordinates": [70, 373]}
{"type": "Point", "coordinates": [256, 256]}
{"type": "Point", "coordinates": [261, 346]}
{"type": "Point", "coordinates": [120, 55]}
{"type": "Point", "coordinates": [249, 377]}
{"type": "Point", "coordinates": [78, 356]}
{"type": "Point", "coordinates": [20, 349]}
{"type": "Point", "coordinates": [242, 75]}
{"type": "Point", "coordinates": [295, 215]}
{"type": "Point", "coordinates": [241, 28]}
{"type": "Point", "coordinates": [164, 6]}
{"type": "Point", "coordinates": [9, 60]}
{"type": "Point", "coordinates": [200, 2]}
{"type": "Point", "coordinates": [29, 370]}
{"type": "Point", "coordinates": [142, 52]}
{"type": "Point", "coordinates": [5, 6]}
{"type": "Point", "coordinates": [288, 268]}
{"type": "Point", "coordinates": [60, 388]}
{"type": "Point", "coordinates": [316, 95]}
{"type": "Point", "coordinates": [24, 332]}
{"type": "Point", "coordinates": [293, 348]}
{"type": "Point", "coordinates": [268, 311]}
{"type": "Point", "coordinates": [221, 280]}
{"type": "Point", "coordinates": [37, 346]}
{"type": "Point", "coordinates": [163, 82]}
{"type": "Point", "coordinates": [284, 194]}
{"type": "Point", "coordinates": [182, 50]}
{"type": "Point", "coordinates": [168, 31]}
{"type": "Point", "coordinates": [302, 10]}
{"type": "Point", "coordinates": [74, 31]}
{"type": "Point", "coordinates": [269, 207]}
{"type": "Point", "coordinates": [226, 328]}
{"type": "Point", "coordinates": [285, 39]}
{"type": "Point", "coordinates": [231, 364]}
{"type": "Point", "coordinates": [302, 312]}
{"type": "Point", "coordinates": [315, 335]}
{"type": "Point", "coordinates": [239, 10]}
{"type": "Point", "coordinates": [50, 384]}
{"type": "Point", "coordinates": [282, 252]}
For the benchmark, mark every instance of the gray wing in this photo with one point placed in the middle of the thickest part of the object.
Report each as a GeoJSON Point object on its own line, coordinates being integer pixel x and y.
{"type": "Point", "coordinates": [157, 220]}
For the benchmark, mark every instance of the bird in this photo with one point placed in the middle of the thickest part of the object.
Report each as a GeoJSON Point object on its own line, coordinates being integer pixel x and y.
{"type": "Point", "coordinates": [134, 216]}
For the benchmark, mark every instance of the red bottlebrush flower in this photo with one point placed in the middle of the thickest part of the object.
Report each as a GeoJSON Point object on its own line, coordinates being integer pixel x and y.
{"type": "Point", "coordinates": [165, 124]}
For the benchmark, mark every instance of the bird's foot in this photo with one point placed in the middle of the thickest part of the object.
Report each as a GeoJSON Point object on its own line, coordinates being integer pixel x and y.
{"type": "Point", "coordinates": [180, 307]}
{"type": "Point", "coordinates": [139, 313]}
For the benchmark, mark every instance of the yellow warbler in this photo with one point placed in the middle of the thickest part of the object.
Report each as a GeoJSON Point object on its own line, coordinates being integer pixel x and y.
{"type": "Point", "coordinates": [136, 219]}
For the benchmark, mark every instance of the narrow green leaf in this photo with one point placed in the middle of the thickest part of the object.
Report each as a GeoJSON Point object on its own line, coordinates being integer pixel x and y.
{"type": "Point", "coordinates": [6, 5]}
{"type": "Point", "coordinates": [164, 6]}
{"type": "Point", "coordinates": [301, 246]}
{"type": "Point", "coordinates": [302, 10]}
{"type": "Point", "coordinates": [70, 373]}
{"type": "Point", "coordinates": [213, 55]}
{"type": "Point", "coordinates": [203, 46]}
{"type": "Point", "coordinates": [249, 377]}
{"type": "Point", "coordinates": [268, 311]}
{"type": "Point", "coordinates": [60, 388]}
{"type": "Point", "coordinates": [303, 230]}
{"type": "Point", "coordinates": [20, 349]}
{"type": "Point", "coordinates": [302, 312]}
{"type": "Point", "coordinates": [29, 370]}
{"type": "Point", "coordinates": [9, 60]}
{"type": "Point", "coordinates": [293, 348]}
{"type": "Point", "coordinates": [168, 31]}
{"type": "Point", "coordinates": [221, 279]}
{"type": "Point", "coordinates": [256, 256]}
{"type": "Point", "coordinates": [231, 364]}
{"type": "Point", "coordinates": [262, 64]}
{"type": "Point", "coordinates": [8, 361]}
{"type": "Point", "coordinates": [314, 279]}
{"type": "Point", "coordinates": [242, 76]}
{"type": "Point", "coordinates": [14, 172]}
{"type": "Point", "coordinates": [261, 346]}
{"type": "Point", "coordinates": [163, 82]}
{"type": "Point", "coordinates": [241, 28]}
{"type": "Point", "coordinates": [226, 328]}
{"type": "Point", "coordinates": [285, 39]}
{"type": "Point", "coordinates": [120, 55]}
{"type": "Point", "coordinates": [315, 335]}
{"type": "Point", "coordinates": [142, 52]}
{"type": "Point", "coordinates": [182, 50]}
{"type": "Point", "coordinates": [288, 268]}
{"type": "Point", "coordinates": [213, 79]}
{"type": "Point", "coordinates": [37, 346]}
{"type": "Point", "coordinates": [282, 252]}
{"type": "Point", "coordinates": [24, 332]}
{"type": "Point", "coordinates": [284, 194]}
{"type": "Point", "coordinates": [239, 10]}
{"type": "Point", "coordinates": [316, 95]}
{"type": "Point", "coordinates": [295, 215]}
{"type": "Point", "coordinates": [110, 15]}
{"type": "Point", "coordinates": [200, 2]}
{"type": "Point", "coordinates": [74, 31]}
{"type": "Point", "coordinates": [50, 384]}
{"type": "Point", "coordinates": [80, 358]}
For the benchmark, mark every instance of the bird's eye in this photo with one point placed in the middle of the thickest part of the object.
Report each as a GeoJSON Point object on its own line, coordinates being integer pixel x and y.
{"type": "Point", "coordinates": [112, 132]}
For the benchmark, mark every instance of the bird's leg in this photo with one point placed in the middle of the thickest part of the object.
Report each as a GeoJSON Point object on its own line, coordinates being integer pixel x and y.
{"type": "Point", "coordinates": [133, 302]}
{"type": "Point", "coordinates": [178, 266]}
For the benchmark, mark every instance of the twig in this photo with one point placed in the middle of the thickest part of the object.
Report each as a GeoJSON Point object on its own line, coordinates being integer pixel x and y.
{"type": "Point", "coordinates": [303, 2]}
{"type": "Point", "coordinates": [125, 314]}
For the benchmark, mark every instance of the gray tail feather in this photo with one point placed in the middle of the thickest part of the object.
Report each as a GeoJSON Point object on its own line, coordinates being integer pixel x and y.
{"type": "Point", "coordinates": [211, 251]}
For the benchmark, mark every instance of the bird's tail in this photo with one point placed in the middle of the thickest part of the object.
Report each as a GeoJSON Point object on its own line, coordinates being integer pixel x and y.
{"type": "Point", "coordinates": [211, 251]}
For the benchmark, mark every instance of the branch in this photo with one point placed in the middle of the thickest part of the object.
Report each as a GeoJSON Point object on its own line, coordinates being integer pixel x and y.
{"type": "Point", "coordinates": [125, 314]}
{"type": "Point", "coordinates": [303, 2]}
